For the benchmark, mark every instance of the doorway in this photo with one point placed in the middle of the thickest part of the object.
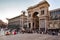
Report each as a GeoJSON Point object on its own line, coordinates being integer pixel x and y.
{"type": "Point", "coordinates": [35, 21]}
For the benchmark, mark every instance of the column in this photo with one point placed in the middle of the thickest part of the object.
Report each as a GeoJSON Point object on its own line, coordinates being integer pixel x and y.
{"type": "Point", "coordinates": [39, 24]}
{"type": "Point", "coordinates": [45, 25]}
{"type": "Point", "coordinates": [22, 22]}
{"type": "Point", "coordinates": [27, 22]}
{"type": "Point", "coordinates": [46, 18]}
{"type": "Point", "coordinates": [34, 23]}
{"type": "Point", "coordinates": [39, 19]}
{"type": "Point", "coordinates": [31, 24]}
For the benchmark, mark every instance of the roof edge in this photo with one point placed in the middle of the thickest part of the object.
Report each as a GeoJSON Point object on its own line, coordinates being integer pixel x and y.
{"type": "Point", "coordinates": [42, 2]}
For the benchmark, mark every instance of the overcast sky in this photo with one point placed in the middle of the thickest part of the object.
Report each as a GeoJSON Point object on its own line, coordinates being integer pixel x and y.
{"type": "Point", "coordinates": [12, 8]}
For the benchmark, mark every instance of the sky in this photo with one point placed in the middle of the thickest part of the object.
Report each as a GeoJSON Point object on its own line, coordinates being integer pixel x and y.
{"type": "Point", "coordinates": [12, 8]}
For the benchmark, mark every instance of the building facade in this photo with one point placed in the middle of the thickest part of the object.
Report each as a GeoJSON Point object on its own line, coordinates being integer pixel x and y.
{"type": "Point", "coordinates": [39, 18]}
{"type": "Point", "coordinates": [42, 19]}
{"type": "Point", "coordinates": [20, 21]}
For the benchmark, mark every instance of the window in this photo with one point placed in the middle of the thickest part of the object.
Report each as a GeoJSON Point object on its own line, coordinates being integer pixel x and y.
{"type": "Point", "coordinates": [42, 23]}
{"type": "Point", "coordinates": [42, 12]}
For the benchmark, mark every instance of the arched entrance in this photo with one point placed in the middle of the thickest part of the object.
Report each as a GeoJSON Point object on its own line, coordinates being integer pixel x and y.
{"type": "Point", "coordinates": [35, 21]}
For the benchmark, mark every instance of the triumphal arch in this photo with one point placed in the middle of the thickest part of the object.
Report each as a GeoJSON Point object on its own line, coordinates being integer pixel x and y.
{"type": "Point", "coordinates": [38, 16]}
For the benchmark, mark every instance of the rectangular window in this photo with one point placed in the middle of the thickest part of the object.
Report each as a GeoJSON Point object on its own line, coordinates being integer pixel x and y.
{"type": "Point", "coordinates": [42, 12]}
{"type": "Point", "coordinates": [42, 23]}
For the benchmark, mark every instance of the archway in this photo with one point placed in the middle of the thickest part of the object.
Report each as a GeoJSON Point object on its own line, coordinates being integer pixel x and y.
{"type": "Point", "coordinates": [35, 21]}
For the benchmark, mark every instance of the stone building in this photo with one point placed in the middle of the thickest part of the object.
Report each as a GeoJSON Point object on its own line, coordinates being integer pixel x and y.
{"type": "Point", "coordinates": [20, 21]}
{"type": "Point", "coordinates": [39, 17]}
{"type": "Point", "coordinates": [54, 21]}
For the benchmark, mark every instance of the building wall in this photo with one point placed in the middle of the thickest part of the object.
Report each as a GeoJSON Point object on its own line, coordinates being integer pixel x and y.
{"type": "Point", "coordinates": [20, 20]}
{"type": "Point", "coordinates": [43, 18]}
{"type": "Point", "coordinates": [54, 19]}
{"type": "Point", "coordinates": [46, 19]}
{"type": "Point", "coordinates": [14, 21]}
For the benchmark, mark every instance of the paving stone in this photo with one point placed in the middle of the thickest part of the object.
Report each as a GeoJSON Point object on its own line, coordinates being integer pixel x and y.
{"type": "Point", "coordinates": [30, 37]}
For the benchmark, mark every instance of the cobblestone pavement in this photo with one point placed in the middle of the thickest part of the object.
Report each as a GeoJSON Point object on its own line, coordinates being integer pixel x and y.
{"type": "Point", "coordinates": [30, 37]}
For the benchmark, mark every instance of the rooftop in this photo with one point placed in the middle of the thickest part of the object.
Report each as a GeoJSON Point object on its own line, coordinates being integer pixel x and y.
{"type": "Point", "coordinates": [40, 3]}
